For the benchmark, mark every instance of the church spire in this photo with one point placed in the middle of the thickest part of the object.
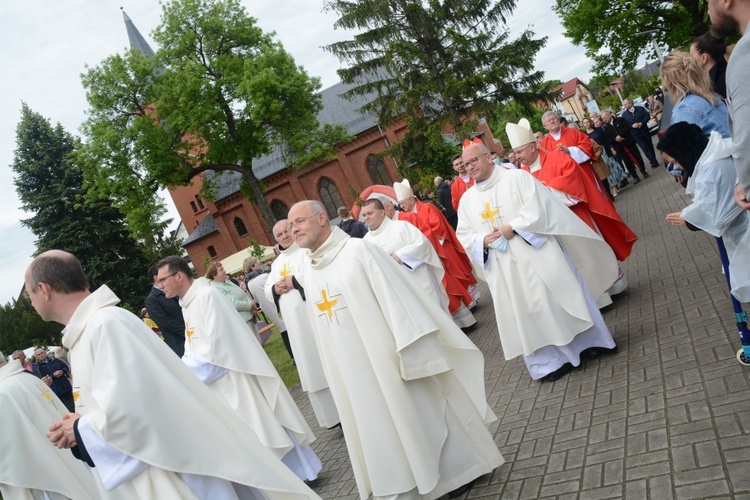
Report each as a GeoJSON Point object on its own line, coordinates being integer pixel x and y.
{"type": "Point", "coordinates": [136, 39]}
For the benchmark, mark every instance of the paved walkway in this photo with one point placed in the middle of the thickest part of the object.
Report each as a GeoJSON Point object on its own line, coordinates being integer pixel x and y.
{"type": "Point", "coordinates": [666, 417]}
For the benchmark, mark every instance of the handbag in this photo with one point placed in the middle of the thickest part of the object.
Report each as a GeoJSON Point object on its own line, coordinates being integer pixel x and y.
{"type": "Point", "coordinates": [599, 165]}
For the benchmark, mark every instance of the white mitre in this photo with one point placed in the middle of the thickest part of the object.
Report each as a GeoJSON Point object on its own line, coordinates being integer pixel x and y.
{"type": "Point", "coordinates": [519, 134]}
{"type": "Point", "coordinates": [403, 190]}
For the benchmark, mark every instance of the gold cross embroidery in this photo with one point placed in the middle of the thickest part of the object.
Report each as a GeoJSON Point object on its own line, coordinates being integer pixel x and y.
{"type": "Point", "coordinates": [326, 305]}
{"type": "Point", "coordinates": [189, 332]}
{"type": "Point", "coordinates": [285, 271]}
{"type": "Point", "coordinates": [489, 214]}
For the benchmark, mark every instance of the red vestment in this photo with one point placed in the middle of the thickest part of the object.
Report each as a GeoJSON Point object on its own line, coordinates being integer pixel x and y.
{"type": "Point", "coordinates": [572, 137]}
{"type": "Point", "coordinates": [458, 188]}
{"type": "Point", "coordinates": [560, 172]}
{"type": "Point", "coordinates": [458, 272]}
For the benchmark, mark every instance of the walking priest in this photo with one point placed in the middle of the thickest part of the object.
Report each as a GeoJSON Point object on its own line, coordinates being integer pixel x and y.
{"type": "Point", "coordinates": [408, 384]}
{"type": "Point", "coordinates": [542, 266]}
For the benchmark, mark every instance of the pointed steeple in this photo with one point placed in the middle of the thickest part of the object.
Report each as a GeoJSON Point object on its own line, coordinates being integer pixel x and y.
{"type": "Point", "coordinates": [136, 39]}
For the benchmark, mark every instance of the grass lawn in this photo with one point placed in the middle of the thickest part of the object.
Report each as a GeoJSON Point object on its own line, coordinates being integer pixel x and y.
{"type": "Point", "coordinates": [280, 358]}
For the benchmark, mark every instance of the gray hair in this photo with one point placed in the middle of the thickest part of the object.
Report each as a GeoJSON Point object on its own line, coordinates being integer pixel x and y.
{"type": "Point", "coordinates": [549, 113]}
{"type": "Point", "coordinates": [18, 351]}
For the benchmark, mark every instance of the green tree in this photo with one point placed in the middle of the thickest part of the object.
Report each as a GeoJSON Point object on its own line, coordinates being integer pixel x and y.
{"type": "Point", "coordinates": [612, 25]}
{"type": "Point", "coordinates": [22, 327]}
{"type": "Point", "coordinates": [441, 64]}
{"type": "Point", "coordinates": [50, 185]}
{"type": "Point", "coordinates": [218, 93]}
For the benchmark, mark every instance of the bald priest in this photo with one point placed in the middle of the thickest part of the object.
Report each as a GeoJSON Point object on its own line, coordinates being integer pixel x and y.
{"type": "Point", "coordinates": [542, 265]}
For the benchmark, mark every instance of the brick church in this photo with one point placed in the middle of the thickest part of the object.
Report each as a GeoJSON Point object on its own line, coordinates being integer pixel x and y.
{"type": "Point", "coordinates": [220, 229]}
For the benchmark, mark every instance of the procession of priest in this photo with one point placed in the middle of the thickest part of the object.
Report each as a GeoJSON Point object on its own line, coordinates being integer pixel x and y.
{"type": "Point", "coordinates": [377, 316]}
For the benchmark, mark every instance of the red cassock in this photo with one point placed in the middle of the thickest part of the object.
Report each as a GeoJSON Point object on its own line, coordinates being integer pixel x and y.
{"type": "Point", "coordinates": [458, 273]}
{"type": "Point", "coordinates": [458, 188]}
{"type": "Point", "coordinates": [559, 171]}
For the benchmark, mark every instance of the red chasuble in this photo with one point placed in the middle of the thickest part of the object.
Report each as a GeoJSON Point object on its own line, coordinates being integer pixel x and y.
{"type": "Point", "coordinates": [458, 188]}
{"type": "Point", "coordinates": [458, 273]}
{"type": "Point", "coordinates": [559, 171]}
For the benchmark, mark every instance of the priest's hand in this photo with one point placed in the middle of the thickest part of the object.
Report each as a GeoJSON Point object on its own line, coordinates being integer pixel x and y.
{"type": "Point", "coordinates": [491, 237]}
{"type": "Point", "coordinates": [61, 432]}
{"type": "Point", "coordinates": [563, 148]}
{"type": "Point", "coordinates": [507, 231]}
{"type": "Point", "coordinates": [284, 285]}
{"type": "Point", "coordinates": [395, 257]}
{"type": "Point", "coordinates": [676, 219]}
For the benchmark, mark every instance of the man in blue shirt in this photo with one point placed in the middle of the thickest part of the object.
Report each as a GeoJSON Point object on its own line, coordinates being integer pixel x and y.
{"type": "Point", "coordinates": [638, 118]}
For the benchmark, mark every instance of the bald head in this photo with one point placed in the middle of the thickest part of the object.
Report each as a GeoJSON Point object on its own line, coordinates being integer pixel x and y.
{"type": "Point", "coordinates": [56, 285]}
{"type": "Point", "coordinates": [478, 162]}
{"type": "Point", "coordinates": [282, 234]}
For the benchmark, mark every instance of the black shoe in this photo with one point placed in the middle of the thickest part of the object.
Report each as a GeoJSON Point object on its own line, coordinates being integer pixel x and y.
{"type": "Point", "coordinates": [655, 166]}
{"type": "Point", "coordinates": [468, 329]}
{"type": "Point", "coordinates": [559, 373]}
{"type": "Point", "coordinates": [624, 183]}
{"type": "Point", "coordinates": [595, 352]}
{"type": "Point", "coordinates": [645, 174]}
{"type": "Point", "coordinates": [636, 181]}
{"type": "Point", "coordinates": [462, 490]}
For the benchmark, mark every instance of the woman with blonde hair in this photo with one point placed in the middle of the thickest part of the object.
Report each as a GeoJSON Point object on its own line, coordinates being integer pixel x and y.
{"type": "Point", "coordinates": [691, 92]}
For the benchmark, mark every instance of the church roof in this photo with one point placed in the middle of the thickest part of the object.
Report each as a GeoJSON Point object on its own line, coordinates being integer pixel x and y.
{"type": "Point", "coordinates": [206, 227]}
{"type": "Point", "coordinates": [136, 39]}
{"type": "Point", "coordinates": [336, 109]}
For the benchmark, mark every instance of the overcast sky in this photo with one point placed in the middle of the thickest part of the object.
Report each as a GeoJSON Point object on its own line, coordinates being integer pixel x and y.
{"type": "Point", "coordinates": [47, 46]}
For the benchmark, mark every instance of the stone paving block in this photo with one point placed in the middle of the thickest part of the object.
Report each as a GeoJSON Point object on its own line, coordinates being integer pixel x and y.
{"type": "Point", "coordinates": [614, 472]}
{"type": "Point", "coordinates": [660, 487]}
{"type": "Point", "coordinates": [708, 453]}
{"type": "Point", "coordinates": [703, 490]}
{"type": "Point", "coordinates": [738, 476]}
{"type": "Point", "coordinates": [560, 489]}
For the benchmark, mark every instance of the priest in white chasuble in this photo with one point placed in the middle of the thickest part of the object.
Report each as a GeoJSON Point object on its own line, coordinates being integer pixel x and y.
{"type": "Point", "coordinates": [147, 427]}
{"type": "Point", "coordinates": [408, 384]}
{"type": "Point", "coordinates": [542, 265]}
{"type": "Point", "coordinates": [221, 350]}
{"type": "Point", "coordinates": [284, 287]}
{"type": "Point", "coordinates": [30, 467]}
{"type": "Point", "coordinates": [408, 247]}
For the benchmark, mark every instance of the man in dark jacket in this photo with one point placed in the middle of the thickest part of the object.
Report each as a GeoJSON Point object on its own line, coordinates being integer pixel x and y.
{"type": "Point", "coordinates": [167, 314]}
{"type": "Point", "coordinates": [638, 118]}
{"type": "Point", "coordinates": [617, 131]}
{"type": "Point", "coordinates": [444, 198]}
{"type": "Point", "coordinates": [55, 374]}
{"type": "Point", "coordinates": [352, 227]}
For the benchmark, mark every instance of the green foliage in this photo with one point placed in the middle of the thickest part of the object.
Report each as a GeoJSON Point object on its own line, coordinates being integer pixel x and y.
{"type": "Point", "coordinates": [512, 112]}
{"type": "Point", "coordinates": [218, 93]}
{"type": "Point", "coordinates": [21, 327]}
{"type": "Point", "coordinates": [51, 186]}
{"type": "Point", "coordinates": [255, 249]}
{"type": "Point", "coordinates": [607, 28]}
{"type": "Point", "coordinates": [441, 64]}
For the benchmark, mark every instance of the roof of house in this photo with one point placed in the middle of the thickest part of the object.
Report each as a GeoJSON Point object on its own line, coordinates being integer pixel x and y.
{"type": "Point", "coordinates": [569, 88]}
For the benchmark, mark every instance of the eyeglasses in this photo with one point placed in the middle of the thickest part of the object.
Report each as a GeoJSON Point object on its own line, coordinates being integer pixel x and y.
{"type": "Point", "coordinates": [475, 160]}
{"type": "Point", "coordinates": [519, 151]}
{"type": "Point", "coordinates": [298, 222]}
{"type": "Point", "coordinates": [160, 281]}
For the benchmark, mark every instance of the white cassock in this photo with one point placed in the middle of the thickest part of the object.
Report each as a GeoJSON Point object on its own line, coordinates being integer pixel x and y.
{"type": "Point", "coordinates": [714, 211]}
{"type": "Point", "coordinates": [257, 288]}
{"type": "Point", "coordinates": [151, 427]}
{"type": "Point", "coordinates": [30, 466]}
{"type": "Point", "coordinates": [236, 368]}
{"type": "Point", "coordinates": [291, 305]}
{"type": "Point", "coordinates": [417, 255]}
{"type": "Point", "coordinates": [408, 384]}
{"type": "Point", "coordinates": [541, 292]}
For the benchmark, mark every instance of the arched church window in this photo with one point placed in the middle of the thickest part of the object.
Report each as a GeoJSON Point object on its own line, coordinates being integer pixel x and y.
{"type": "Point", "coordinates": [330, 196]}
{"type": "Point", "coordinates": [378, 172]}
{"type": "Point", "coordinates": [279, 209]}
{"type": "Point", "coordinates": [240, 226]}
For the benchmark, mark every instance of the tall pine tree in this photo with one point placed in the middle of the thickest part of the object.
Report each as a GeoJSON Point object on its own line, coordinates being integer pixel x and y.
{"type": "Point", "coordinates": [51, 187]}
{"type": "Point", "coordinates": [437, 62]}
